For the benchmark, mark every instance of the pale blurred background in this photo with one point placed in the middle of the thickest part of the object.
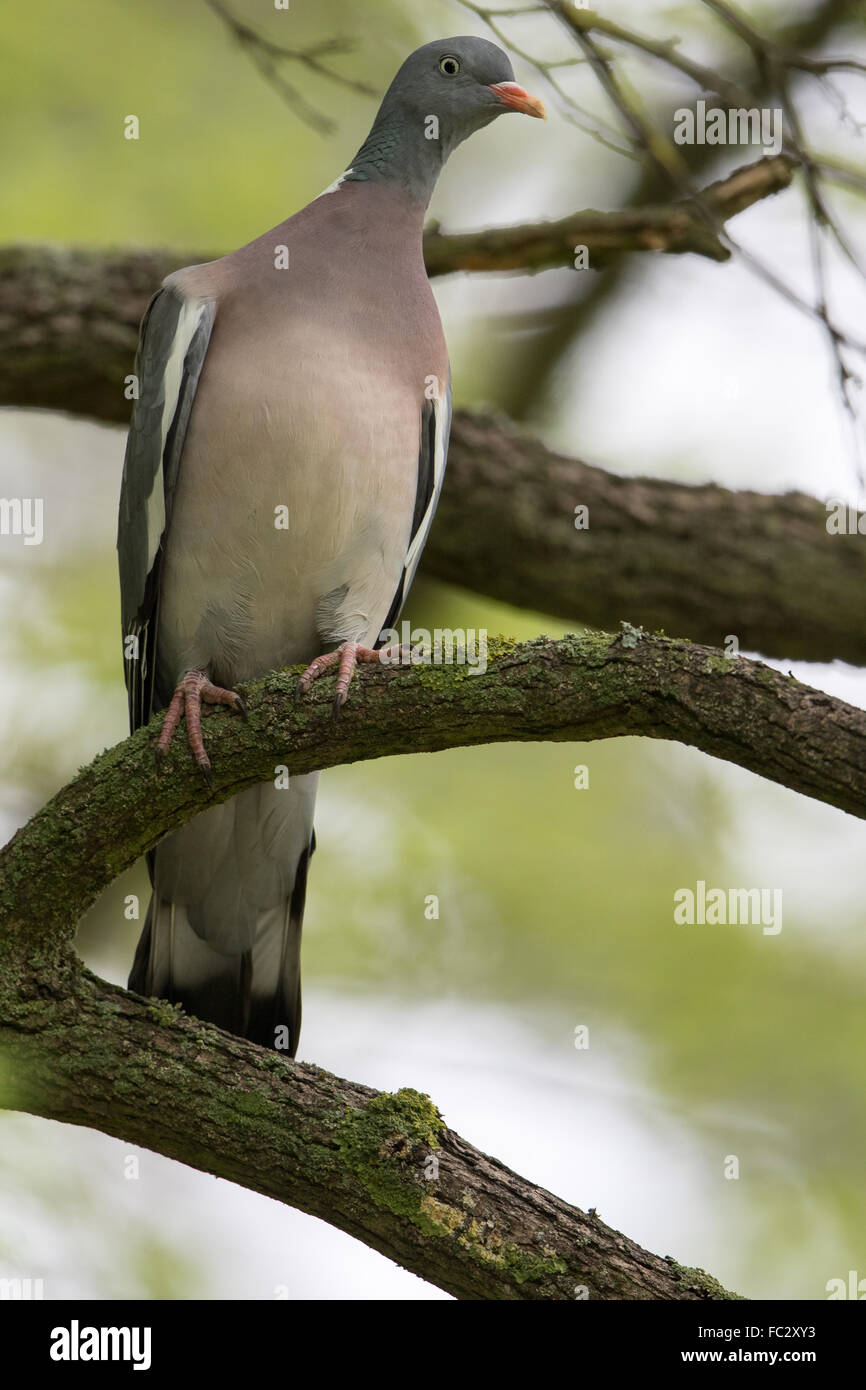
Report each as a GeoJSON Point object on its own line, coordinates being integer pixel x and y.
{"type": "Point", "coordinates": [555, 903]}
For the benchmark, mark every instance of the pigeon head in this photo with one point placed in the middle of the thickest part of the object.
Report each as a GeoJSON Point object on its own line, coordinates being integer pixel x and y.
{"type": "Point", "coordinates": [442, 94]}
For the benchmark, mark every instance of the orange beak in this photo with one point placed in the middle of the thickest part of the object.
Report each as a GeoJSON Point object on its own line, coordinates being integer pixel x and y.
{"type": "Point", "coordinates": [519, 99]}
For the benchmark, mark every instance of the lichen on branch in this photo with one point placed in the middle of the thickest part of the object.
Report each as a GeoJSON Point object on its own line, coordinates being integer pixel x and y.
{"type": "Point", "coordinates": [386, 1169]}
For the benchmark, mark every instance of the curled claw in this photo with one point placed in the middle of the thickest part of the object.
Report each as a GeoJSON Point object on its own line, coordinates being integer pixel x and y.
{"type": "Point", "coordinates": [194, 689]}
{"type": "Point", "coordinates": [346, 658]}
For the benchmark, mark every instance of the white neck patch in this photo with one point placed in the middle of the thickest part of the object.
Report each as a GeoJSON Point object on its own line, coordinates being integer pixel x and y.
{"type": "Point", "coordinates": [332, 187]}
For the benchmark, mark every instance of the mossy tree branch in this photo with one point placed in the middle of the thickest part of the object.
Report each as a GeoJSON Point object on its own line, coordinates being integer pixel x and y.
{"type": "Point", "coordinates": [385, 1168]}
{"type": "Point", "coordinates": [579, 688]}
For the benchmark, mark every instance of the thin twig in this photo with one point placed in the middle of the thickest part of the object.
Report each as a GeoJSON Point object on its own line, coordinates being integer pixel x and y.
{"type": "Point", "coordinates": [269, 56]}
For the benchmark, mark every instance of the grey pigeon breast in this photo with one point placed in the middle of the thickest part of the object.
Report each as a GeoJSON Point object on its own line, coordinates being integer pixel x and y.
{"type": "Point", "coordinates": [307, 412]}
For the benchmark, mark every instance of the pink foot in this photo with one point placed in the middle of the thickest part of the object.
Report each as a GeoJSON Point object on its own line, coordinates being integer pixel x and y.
{"type": "Point", "coordinates": [194, 689]}
{"type": "Point", "coordinates": [345, 657]}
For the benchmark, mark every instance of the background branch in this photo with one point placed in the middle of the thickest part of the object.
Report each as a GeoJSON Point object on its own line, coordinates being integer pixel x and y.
{"type": "Point", "coordinates": [547, 340]}
{"type": "Point", "coordinates": [69, 316]}
{"type": "Point", "coordinates": [670, 227]}
{"type": "Point", "coordinates": [700, 561]}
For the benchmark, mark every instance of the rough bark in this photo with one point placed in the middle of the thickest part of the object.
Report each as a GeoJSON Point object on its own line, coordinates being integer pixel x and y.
{"type": "Point", "coordinates": [80, 1051]}
{"type": "Point", "coordinates": [699, 561]}
{"type": "Point", "coordinates": [382, 1167]}
{"type": "Point", "coordinates": [579, 688]}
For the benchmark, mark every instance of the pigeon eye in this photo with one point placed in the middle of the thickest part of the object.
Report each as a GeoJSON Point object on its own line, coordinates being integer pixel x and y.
{"type": "Point", "coordinates": [449, 66]}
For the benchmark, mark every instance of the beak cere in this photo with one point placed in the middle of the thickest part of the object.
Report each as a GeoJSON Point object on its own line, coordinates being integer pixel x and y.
{"type": "Point", "coordinates": [515, 96]}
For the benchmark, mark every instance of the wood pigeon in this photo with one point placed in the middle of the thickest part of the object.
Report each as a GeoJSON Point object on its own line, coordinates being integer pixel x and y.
{"type": "Point", "coordinates": [284, 462]}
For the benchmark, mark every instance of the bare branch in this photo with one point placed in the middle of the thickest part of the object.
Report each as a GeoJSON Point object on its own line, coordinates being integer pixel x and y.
{"type": "Point", "coordinates": [384, 1168]}
{"type": "Point", "coordinates": [533, 359]}
{"type": "Point", "coordinates": [669, 227]}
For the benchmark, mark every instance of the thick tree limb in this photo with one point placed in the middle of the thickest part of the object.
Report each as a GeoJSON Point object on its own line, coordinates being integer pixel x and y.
{"type": "Point", "coordinates": [382, 1167]}
{"type": "Point", "coordinates": [579, 688]}
{"type": "Point", "coordinates": [68, 330]}
{"type": "Point", "coordinates": [701, 561]}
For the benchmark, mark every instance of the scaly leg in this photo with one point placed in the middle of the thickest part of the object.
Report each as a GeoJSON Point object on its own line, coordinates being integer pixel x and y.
{"type": "Point", "coordinates": [195, 688]}
{"type": "Point", "coordinates": [345, 657]}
